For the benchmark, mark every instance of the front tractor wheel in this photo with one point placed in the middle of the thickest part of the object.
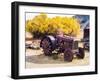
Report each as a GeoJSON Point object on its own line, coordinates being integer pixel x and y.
{"type": "Point", "coordinates": [68, 55]}
{"type": "Point", "coordinates": [81, 53]}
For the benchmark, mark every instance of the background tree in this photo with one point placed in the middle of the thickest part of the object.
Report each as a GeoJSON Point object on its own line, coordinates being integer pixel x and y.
{"type": "Point", "coordinates": [42, 24]}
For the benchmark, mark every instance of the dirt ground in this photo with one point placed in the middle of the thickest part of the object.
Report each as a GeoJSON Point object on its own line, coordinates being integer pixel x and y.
{"type": "Point", "coordinates": [36, 59]}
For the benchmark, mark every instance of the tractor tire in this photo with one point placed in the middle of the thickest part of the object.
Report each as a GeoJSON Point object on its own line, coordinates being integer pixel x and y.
{"type": "Point", "coordinates": [81, 53]}
{"type": "Point", "coordinates": [48, 44]}
{"type": "Point", "coordinates": [68, 55]}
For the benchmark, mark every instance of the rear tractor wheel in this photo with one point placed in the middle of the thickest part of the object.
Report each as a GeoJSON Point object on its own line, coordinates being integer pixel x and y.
{"type": "Point", "coordinates": [46, 45]}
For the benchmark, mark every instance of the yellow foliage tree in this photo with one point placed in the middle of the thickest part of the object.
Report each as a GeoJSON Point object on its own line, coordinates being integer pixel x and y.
{"type": "Point", "coordinates": [42, 24]}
